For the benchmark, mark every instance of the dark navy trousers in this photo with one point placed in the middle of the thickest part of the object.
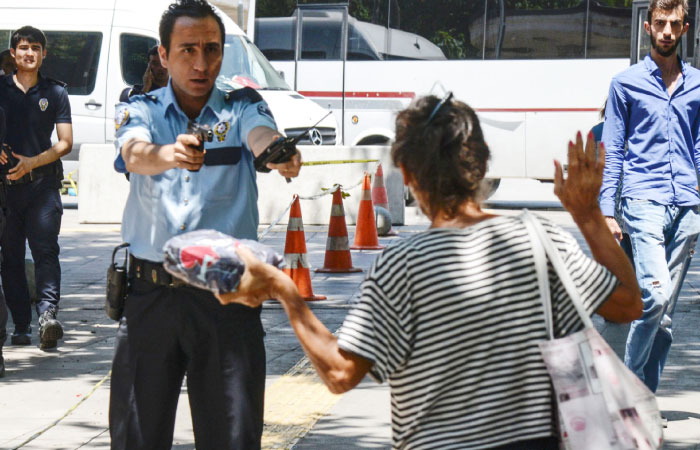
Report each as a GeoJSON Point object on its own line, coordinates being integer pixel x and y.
{"type": "Point", "coordinates": [3, 306]}
{"type": "Point", "coordinates": [167, 333]}
{"type": "Point", "coordinates": [34, 212]}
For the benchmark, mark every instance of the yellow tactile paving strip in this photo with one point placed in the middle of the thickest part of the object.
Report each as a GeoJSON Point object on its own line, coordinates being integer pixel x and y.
{"type": "Point", "coordinates": [293, 404]}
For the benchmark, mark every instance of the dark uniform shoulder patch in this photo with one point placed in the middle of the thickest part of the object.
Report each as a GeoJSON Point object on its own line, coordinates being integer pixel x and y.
{"type": "Point", "coordinates": [244, 93]}
{"type": "Point", "coordinates": [57, 82]}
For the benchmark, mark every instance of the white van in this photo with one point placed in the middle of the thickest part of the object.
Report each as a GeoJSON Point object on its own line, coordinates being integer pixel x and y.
{"type": "Point", "coordinates": [99, 47]}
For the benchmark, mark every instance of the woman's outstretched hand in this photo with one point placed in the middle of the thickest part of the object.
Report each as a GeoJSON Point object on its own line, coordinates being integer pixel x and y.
{"type": "Point", "coordinates": [259, 282]}
{"type": "Point", "coordinates": [579, 192]}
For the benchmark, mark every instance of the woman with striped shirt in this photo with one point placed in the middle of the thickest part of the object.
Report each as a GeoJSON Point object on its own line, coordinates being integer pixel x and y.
{"type": "Point", "coordinates": [451, 317]}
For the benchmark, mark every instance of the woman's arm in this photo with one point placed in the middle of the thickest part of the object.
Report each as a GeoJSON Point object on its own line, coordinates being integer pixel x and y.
{"type": "Point", "coordinates": [579, 195]}
{"type": "Point", "coordinates": [339, 370]}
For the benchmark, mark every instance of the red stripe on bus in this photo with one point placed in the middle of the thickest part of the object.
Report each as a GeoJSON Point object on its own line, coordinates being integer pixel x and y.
{"type": "Point", "coordinates": [537, 109]}
{"type": "Point", "coordinates": [359, 94]}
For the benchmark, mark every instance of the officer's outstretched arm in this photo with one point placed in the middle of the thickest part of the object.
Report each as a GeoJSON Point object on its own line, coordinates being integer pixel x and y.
{"type": "Point", "coordinates": [145, 158]}
{"type": "Point", "coordinates": [260, 138]}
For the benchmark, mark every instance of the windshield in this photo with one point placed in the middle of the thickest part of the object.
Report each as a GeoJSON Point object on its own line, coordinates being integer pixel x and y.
{"type": "Point", "coordinates": [244, 65]}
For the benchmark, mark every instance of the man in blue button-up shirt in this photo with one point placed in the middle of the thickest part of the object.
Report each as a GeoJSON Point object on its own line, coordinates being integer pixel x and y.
{"type": "Point", "coordinates": [651, 136]}
{"type": "Point", "coordinates": [169, 330]}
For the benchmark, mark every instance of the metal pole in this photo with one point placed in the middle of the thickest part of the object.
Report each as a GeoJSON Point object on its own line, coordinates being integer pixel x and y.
{"type": "Point", "coordinates": [240, 14]}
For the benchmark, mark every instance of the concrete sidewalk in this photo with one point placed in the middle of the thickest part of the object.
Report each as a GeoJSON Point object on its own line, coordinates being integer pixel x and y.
{"type": "Point", "coordinates": [59, 399]}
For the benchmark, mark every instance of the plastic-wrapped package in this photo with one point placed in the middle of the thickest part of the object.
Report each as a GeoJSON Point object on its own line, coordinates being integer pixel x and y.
{"type": "Point", "coordinates": [207, 259]}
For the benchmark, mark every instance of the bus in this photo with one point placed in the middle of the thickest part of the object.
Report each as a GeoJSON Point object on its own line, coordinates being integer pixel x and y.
{"type": "Point", "coordinates": [536, 71]}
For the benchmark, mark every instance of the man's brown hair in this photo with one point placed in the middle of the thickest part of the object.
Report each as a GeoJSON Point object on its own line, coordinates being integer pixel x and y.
{"type": "Point", "coordinates": [667, 5]}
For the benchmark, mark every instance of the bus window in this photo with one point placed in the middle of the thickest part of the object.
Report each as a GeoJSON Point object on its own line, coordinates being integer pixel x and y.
{"type": "Point", "coordinates": [321, 36]}
{"type": "Point", "coordinates": [367, 34]}
{"type": "Point", "coordinates": [538, 29]}
{"type": "Point", "coordinates": [455, 27]}
{"type": "Point", "coordinates": [276, 36]}
{"type": "Point", "coordinates": [609, 29]}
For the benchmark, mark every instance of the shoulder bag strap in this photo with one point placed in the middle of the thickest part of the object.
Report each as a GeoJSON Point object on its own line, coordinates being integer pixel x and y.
{"type": "Point", "coordinates": [541, 267]}
{"type": "Point", "coordinates": [559, 267]}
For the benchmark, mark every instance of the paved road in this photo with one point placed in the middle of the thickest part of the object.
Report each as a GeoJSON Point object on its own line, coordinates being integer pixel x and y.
{"type": "Point", "coordinates": [59, 399]}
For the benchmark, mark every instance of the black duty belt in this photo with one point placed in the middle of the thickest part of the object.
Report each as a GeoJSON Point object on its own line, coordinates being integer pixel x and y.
{"type": "Point", "coordinates": [33, 175]}
{"type": "Point", "coordinates": [152, 272]}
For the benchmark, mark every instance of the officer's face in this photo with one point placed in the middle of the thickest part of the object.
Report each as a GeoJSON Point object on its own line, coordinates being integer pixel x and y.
{"type": "Point", "coordinates": [28, 55]}
{"type": "Point", "coordinates": [195, 56]}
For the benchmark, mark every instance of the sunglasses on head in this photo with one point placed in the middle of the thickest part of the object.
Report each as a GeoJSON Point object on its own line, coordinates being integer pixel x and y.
{"type": "Point", "coordinates": [436, 110]}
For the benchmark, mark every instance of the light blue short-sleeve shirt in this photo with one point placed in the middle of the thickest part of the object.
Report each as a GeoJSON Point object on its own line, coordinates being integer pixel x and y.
{"type": "Point", "coordinates": [221, 196]}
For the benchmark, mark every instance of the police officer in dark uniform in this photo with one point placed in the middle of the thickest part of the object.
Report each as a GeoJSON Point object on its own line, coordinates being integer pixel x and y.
{"type": "Point", "coordinates": [3, 306]}
{"type": "Point", "coordinates": [170, 329]}
{"type": "Point", "coordinates": [33, 105]}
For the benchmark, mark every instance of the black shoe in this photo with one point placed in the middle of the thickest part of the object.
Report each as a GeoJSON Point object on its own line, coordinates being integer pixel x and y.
{"type": "Point", "coordinates": [50, 329]}
{"type": "Point", "coordinates": [21, 336]}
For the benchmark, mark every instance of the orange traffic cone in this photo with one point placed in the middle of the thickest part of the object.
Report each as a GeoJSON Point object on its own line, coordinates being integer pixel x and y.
{"type": "Point", "coordinates": [338, 259]}
{"type": "Point", "coordinates": [366, 230]}
{"type": "Point", "coordinates": [380, 198]}
{"type": "Point", "coordinates": [295, 254]}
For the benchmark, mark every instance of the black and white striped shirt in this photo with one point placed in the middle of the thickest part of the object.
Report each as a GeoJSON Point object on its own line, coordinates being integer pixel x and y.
{"type": "Point", "coordinates": [451, 318]}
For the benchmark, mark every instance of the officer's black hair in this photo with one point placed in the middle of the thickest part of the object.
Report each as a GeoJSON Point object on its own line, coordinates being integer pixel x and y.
{"type": "Point", "coordinates": [198, 9]}
{"type": "Point", "coordinates": [29, 34]}
{"type": "Point", "coordinates": [153, 51]}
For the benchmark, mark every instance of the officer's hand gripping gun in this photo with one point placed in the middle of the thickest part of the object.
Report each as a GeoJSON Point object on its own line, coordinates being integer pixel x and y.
{"type": "Point", "coordinates": [201, 132]}
{"type": "Point", "coordinates": [281, 150]}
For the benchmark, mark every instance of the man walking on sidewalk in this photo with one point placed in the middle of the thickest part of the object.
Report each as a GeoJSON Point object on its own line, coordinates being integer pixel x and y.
{"type": "Point", "coordinates": [33, 104]}
{"type": "Point", "coordinates": [653, 110]}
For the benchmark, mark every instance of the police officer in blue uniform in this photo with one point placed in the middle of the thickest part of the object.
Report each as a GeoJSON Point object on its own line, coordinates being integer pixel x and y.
{"type": "Point", "coordinates": [33, 105]}
{"type": "Point", "coordinates": [169, 329]}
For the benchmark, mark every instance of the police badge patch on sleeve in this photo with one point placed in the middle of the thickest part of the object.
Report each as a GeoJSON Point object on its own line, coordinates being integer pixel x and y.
{"type": "Point", "coordinates": [221, 130]}
{"type": "Point", "coordinates": [265, 111]}
{"type": "Point", "coordinates": [43, 104]}
{"type": "Point", "coordinates": [121, 117]}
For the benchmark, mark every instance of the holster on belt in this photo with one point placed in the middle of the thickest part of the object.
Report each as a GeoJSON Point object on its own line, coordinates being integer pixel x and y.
{"type": "Point", "coordinates": [117, 284]}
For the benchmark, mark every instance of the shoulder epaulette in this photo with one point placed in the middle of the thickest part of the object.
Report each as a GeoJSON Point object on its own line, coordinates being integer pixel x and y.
{"type": "Point", "coordinates": [54, 81]}
{"type": "Point", "coordinates": [146, 96]}
{"type": "Point", "coordinates": [244, 93]}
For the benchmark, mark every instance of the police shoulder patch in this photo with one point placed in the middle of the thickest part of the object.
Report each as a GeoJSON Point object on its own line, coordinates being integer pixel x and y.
{"type": "Point", "coordinates": [121, 117]}
{"type": "Point", "coordinates": [43, 103]}
{"type": "Point", "coordinates": [264, 110]}
{"type": "Point", "coordinates": [244, 93]}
